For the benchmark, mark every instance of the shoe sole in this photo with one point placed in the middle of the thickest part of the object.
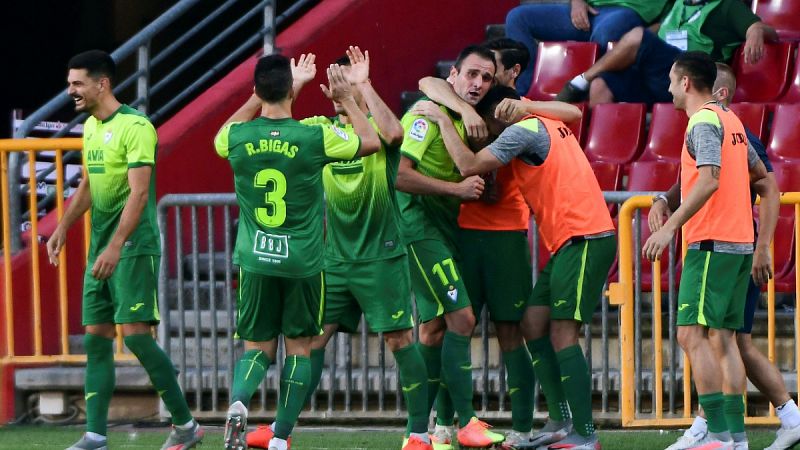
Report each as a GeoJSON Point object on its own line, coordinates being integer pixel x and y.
{"type": "Point", "coordinates": [235, 434]}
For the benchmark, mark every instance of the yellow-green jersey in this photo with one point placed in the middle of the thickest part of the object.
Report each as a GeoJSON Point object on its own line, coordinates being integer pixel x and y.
{"type": "Point", "coordinates": [111, 147]}
{"type": "Point", "coordinates": [429, 216]}
{"type": "Point", "coordinates": [277, 168]}
{"type": "Point", "coordinates": [362, 217]}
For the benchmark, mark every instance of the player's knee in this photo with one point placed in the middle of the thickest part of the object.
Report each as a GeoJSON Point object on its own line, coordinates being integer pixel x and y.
{"type": "Point", "coordinates": [396, 340]}
{"type": "Point", "coordinates": [564, 333]}
{"type": "Point", "coordinates": [106, 330]}
{"type": "Point", "coordinates": [431, 333]}
{"type": "Point", "coordinates": [689, 337]}
{"type": "Point", "coordinates": [461, 322]}
{"type": "Point", "coordinates": [509, 335]}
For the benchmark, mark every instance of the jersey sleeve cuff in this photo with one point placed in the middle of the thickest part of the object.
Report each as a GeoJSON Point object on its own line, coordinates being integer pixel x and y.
{"type": "Point", "coordinates": [134, 165]}
{"type": "Point", "coordinates": [409, 156]}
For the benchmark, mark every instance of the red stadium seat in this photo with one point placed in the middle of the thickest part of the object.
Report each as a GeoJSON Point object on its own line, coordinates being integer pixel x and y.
{"type": "Point", "coordinates": [792, 94]}
{"type": "Point", "coordinates": [578, 127]}
{"type": "Point", "coordinates": [784, 255]}
{"type": "Point", "coordinates": [667, 131]}
{"type": "Point", "coordinates": [766, 80]}
{"type": "Point", "coordinates": [608, 175]}
{"type": "Point", "coordinates": [784, 142]}
{"type": "Point", "coordinates": [557, 63]}
{"type": "Point", "coordinates": [753, 116]}
{"type": "Point", "coordinates": [783, 15]}
{"type": "Point", "coordinates": [616, 133]}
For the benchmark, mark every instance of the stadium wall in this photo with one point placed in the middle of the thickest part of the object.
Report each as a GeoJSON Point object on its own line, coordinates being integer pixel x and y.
{"type": "Point", "coordinates": [405, 39]}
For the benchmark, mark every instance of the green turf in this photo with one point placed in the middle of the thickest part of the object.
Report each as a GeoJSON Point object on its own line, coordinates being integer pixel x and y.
{"type": "Point", "coordinates": [49, 437]}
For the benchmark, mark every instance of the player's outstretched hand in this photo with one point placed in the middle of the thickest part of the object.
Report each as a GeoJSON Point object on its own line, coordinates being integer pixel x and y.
{"type": "Point", "coordinates": [338, 88]}
{"type": "Point", "coordinates": [359, 65]}
{"type": "Point", "coordinates": [304, 70]}
{"type": "Point", "coordinates": [470, 188]}
{"type": "Point", "coordinates": [658, 214]}
{"type": "Point", "coordinates": [55, 244]}
{"type": "Point", "coordinates": [430, 110]}
{"type": "Point", "coordinates": [656, 244]}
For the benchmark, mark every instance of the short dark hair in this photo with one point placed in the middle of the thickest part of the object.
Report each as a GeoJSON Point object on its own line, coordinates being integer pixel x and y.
{"type": "Point", "coordinates": [511, 52]}
{"type": "Point", "coordinates": [494, 96]}
{"type": "Point", "coordinates": [479, 50]}
{"type": "Point", "coordinates": [273, 78]}
{"type": "Point", "coordinates": [343, 60]}
{"type": "Point", "coordinates": [96, 62]}
{"type": "Point", "coordinates": [699, 67]}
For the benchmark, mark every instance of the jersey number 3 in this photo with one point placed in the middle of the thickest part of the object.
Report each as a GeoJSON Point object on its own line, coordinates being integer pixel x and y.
{"type": "Point", "coordinates": [275, 213]}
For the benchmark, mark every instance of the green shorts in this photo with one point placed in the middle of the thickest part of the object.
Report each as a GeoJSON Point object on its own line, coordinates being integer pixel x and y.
{"type": "Point", "coordinates": [713, 289]}
{"type": "Point", "coordinates": [270, 305]}
{"type": "Point", "coordinates": [572, 281]}
{"type": "Point", "coordinates": [497, 272]}
{"type": "Point", "coordinates": [130, 295]}
{"type": "Point", "coordinates": [379, 289]}
{"type": "Point", "coordinates": [435, 278]}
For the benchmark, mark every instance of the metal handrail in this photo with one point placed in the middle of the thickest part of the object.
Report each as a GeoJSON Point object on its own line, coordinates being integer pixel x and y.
{"type": "Point", "coordinates": [140, 43]}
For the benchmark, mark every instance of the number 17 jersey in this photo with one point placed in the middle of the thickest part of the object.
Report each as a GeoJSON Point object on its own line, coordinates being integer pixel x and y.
{"type": "Point", "coordinates": [277, 168]}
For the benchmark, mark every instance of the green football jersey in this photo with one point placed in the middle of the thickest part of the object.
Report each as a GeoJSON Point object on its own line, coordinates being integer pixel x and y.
{"type": "Point", "coordinates": [126, 139]}
{"type": "Point", "coordinates": [362, 215]}
{"type": "Point", "coordinates": [277, 168]}
{"type": "Point", "coordinates": [429, 216]}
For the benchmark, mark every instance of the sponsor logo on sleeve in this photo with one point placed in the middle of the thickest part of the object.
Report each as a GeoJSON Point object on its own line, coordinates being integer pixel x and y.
{"type": "Point", "coordinates": [339, 132]}
{"type": "Point", "coordinates": [418, 130]}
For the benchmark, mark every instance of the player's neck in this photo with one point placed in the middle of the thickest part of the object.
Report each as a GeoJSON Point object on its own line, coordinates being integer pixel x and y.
{"type": "Point", "coordinates": [281, 110]}
{"type": "Point", "coordinates": [695, 102]}
{"type": "Point", "coordinates": [105, 108]}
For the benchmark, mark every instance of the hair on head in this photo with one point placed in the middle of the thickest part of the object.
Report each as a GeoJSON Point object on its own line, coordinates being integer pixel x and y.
{"type": "Point", "coordinates": [700, 69]}
{"type": "Point", "coordinates": [494, 96]}
{"type": "Point", "coordinates": [273, 78]}
{"type": "Point", "coordinates": [479, 50]}
{"type": "Point", "coordinates": [96, 62]}
{"type": "Point", "coordinates": [511, 52]}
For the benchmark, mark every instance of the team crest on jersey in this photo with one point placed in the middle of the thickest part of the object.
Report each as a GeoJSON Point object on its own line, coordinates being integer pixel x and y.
{"type": "Point", "coordinates": [340, 132]}
{"type": "Point", "coordinates": [107, 137]}
{"type": "Point", "coordinates": [418, 130]}
{"type": "Point", "coordinates": [274, 133]}
{"type": "Point", "coordinates": [452, 293]}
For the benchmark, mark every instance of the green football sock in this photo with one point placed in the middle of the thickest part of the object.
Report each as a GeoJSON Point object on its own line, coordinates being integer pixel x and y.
{"type": "Point", "coordinates": [162, 374]}
{"type": "Point", "coordinates": [433, 366]}
{"type": "Point", "coordinates": [99, 382]}
{"type": "Point", "coordinates": [247, 375]}
{"type": "Point", "coordinates": [445, 412]}
{"type": "Point", "coordinates": [519, 370]}
{"type": "Point", "coordinates": [414, 382]}
{"type": "Point", "coordinates": [295, 380]}
{"type": "Point", "coordinates": [545, 364]}
{"type": "Point", "coordinates": [714, 406]}
{"type": "Point", "coordinates": [457, 374]}
{"type": "Point", "coordinates": [734, 412]}
{"type": "Point", "coordinates": [577, 384]}
{"type": "Point", "coordinates": [317, 361]}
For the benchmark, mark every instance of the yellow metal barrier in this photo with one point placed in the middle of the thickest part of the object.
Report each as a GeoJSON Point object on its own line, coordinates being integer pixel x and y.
{"type": "Point", "coordinates": [11, 356]}
{"type": "Point", "coordinates": [622, 293]}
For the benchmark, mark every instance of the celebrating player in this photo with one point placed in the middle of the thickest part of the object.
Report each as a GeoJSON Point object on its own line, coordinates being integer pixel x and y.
{"type": "Point", "coordinates": [119, 186]}
{"type": "Point", "coordinates": [277, 164]}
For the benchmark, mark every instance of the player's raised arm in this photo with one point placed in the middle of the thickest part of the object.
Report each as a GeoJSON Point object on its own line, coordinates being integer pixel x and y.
{"type": "Point", "coordinates": [303, 71]}
{"type": "Point", "coordinates": [340, 90]}
{"type": "Point", "coordinates": [250, 108]}
{"type": "Point", "coordinates": [388, 125]}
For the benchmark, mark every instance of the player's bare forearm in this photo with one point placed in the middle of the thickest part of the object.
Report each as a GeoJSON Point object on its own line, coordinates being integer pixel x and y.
{"type": "Point", "coordinates": [707, 183]}
{"type": "Point", "coordinates": [411, 181]}
{"type": "Point", "coordinates": [81, 202]}
{"type": "Point", "coordinates": [389, 126]}
{"type": "Point", "coordinates": [370, 142]}
{"type": "Point", "coordinates": [674, 197]}
{"type": "Point", "coordinates": [246, 112]}
{"type": "Point", "coordinates": [768, 209]}
{"type": "Point", "coordinates": [139, 181]}
{"type": "Point", "coordinates": [440, 91]}
{"type": "Point", "coordinates": [467, 162]}
{"type": "Point", "coordinates": [564, 112]}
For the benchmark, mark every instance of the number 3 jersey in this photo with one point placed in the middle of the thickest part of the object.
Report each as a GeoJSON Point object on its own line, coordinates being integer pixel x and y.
{"type": "Point", "coordinates": [277, 167]}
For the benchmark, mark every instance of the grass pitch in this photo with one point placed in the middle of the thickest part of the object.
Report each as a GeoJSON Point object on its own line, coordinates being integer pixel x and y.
{"type": "Point", "coordinates": [307, 438]}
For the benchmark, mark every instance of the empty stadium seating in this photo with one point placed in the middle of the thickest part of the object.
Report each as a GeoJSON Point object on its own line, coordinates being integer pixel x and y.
{"type": "Point", "coordinates": [608, 175]}
{"type": "Point", "coordinates": [578, 127]}
{"type": "Point", "coordinates": [616, 132]}
{"type": "Point", "coordinates": [667, 131]}
{"type": "Point", "coordinates": [784, 142]}
{"type": "Point", "coordinates": [783, 15]}
{"type": "Point", "coordinates": [792, 94]}
{"type": "Point", "coordinates": [557, 63]}
{"type": "Point", "coordinates": [767, 79]}
{"type": "Point", "coordinates": [753, 116]}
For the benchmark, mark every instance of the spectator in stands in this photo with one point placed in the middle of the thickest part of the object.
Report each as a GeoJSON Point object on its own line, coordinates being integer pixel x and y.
{"type": "Point", "coordinates": [600, 21]}
{"type": "Point", "coordinates": [761, 372]}
{"type": "Point", "coordinates": [637, 68]}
